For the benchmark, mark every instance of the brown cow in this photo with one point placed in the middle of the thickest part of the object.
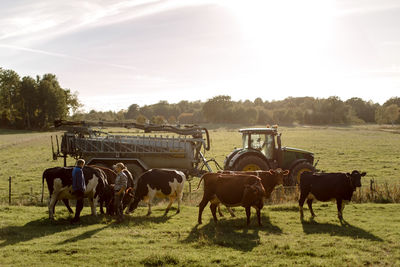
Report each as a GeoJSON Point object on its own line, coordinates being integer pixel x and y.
{"type": "Point", "coordinates": [269, 179]}
{"type": "Point", "coordinates": [232, 191]}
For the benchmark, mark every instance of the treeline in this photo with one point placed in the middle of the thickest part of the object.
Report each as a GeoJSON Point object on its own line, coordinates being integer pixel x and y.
{"type": "Point", "coordinates": [222, 109]}
{"type": "Point", "coordinates": [33, 103]}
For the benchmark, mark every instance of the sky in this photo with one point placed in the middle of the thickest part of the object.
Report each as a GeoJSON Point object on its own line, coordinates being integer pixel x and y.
{"type": "Point", "coordinates": [115, 53]}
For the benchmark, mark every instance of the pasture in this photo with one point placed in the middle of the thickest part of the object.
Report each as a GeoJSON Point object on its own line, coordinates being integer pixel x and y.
{"type": "Point", "coordinates": [370, 236]}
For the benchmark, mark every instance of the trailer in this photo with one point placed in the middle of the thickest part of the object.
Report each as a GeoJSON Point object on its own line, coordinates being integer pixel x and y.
{"type": "Point", "coordinates": [175, 147]}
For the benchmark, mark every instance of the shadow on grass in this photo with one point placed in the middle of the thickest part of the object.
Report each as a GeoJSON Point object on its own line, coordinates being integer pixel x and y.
{"type": "Point", "coordinates": [232, 233]}
{"type": "Point", "coordinates": [41, 228]}
{"type": "Point", "coordinates": [345, 229]}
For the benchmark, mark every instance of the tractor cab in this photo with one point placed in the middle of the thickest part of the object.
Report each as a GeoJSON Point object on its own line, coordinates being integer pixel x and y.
{"type": "Point", "coordinates": [261, 139]}
{"type": "Point", "coordinates": [262, 150]}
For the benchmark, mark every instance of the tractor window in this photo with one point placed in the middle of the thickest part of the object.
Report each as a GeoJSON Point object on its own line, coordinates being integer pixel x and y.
{"type": "Point", "coordinates": [258, 141]}
{"type": "Point", "coordinates": [269, 146]}
{"type": "Point", "coordinates": [245, 139]}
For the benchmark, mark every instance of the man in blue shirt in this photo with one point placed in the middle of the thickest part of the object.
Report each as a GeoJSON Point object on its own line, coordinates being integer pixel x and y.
{"type": "Point", "coordinates": [78, 188]}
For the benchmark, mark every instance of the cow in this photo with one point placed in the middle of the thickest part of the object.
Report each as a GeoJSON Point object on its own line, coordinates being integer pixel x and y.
{"type": "Point", "coordinates": [328, 186]}
{"type": "Point", "coordinates": [232, 191]}
{"type": "Point", "coordinates": [59, 184]}
{"type": "Point", "coordinates": [108, 197]}
{"type": "Point", "coordinates": [162, 183]}
{"type": "Point", "coordinates": [270, 179]}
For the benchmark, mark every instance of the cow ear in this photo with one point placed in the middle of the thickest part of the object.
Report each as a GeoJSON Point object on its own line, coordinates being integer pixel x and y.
{"type": "Point", "coordinates": [286, 172]}
{"type": "Point", "coordinates": [271, 172]}
{"type": "Point", "coordinates": [363, 174]}
{"type": "Point", "coordinates": [348, 174]}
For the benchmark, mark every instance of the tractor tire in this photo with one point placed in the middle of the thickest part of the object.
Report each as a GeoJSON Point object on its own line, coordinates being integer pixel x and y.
{"type": "Point", "coordinates": [295, 173]}
{"type": "Point", "coordinates": [250, 163]}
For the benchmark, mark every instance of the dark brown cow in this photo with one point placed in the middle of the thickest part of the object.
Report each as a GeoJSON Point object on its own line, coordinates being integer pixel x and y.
{"type": "Point", "coordinates": [270, 179]}
{"type": "Point", "coordinates": [328, 186]}
{"type": "Point", "coordinates": [108, 196]}
{"type": "Point", "coordinates": [232, 191]}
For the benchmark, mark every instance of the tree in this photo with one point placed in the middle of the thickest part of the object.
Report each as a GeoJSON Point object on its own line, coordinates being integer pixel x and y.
{"type": "Point", "coordinates": [141, 119]}
{"type": "Point", "coordinates": [133, 111]}
{"type": "Point", "coordinates": [258, 102]}
{"type": "Point", "coordinates": [30, 101]}
{"type": "Point", "coordinates": [158, 119]}
{"type": "Point", "coordinates": [387, 114]}
{"type": "Point", "coordinates": [10, 104]}
{"type": "Point", "coordinates": [363, 110]}
{"type": "Point", "coordinates": [53, 101]}
{"type": "Point", "coordinates": [217, 109]}
{"type": "Point", "coordinates": [172, 119]}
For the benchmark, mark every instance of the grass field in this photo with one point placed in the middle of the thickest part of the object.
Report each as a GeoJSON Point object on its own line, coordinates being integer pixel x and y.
{"type": "Point", "coordinates": [370, 237]}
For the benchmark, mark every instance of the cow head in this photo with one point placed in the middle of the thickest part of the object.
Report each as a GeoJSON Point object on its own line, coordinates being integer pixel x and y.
{"type": "Point", "coordinates": [129, 194]}
{"type": "Point", "coordinates": [355, 178]}
{"type": "Point", "coordinates": [279, 174]}
{"type": "Point", "coordinates": [253, 194]}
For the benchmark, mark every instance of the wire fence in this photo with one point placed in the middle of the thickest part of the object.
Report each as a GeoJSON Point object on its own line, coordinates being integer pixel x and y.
{"type": "Point", "coordinates": [371, 193]}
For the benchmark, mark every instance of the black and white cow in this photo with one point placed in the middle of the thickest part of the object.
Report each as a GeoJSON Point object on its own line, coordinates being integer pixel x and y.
{"type": "Point", "coordinates": [161, 183]}
{"type": "Point", "coordinates": [59, 184]}
{"type": "Point", "coordinates": [328, 186]}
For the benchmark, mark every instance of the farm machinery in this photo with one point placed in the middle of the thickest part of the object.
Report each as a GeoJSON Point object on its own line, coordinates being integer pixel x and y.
{"type": "Point", "coordinates": [262, 150]}
{"type": "Point", "coordinates": [182, 149]}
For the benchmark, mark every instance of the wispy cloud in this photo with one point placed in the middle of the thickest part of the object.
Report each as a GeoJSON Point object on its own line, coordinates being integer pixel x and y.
{"type": "Point", "coordinates": [46, 19]}
{"type": "Point", "coordinates": [53, 54]}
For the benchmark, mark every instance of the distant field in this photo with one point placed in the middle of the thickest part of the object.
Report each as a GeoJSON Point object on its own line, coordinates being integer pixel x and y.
{"type": "Point", "coordinates": [370, 238]}
{"type": "Point", "coordinates": [24, 155]}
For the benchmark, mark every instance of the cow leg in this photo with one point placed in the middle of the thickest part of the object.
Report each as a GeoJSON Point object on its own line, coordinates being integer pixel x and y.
{"type": "Point", "coordinates": [301, 203]}
{"type": "Point", "coordinates": [180, 196]}
{"type": "Point", "coordinates": [92, 203]}
{"type": "Point", "coordinates": [52, 204]}
{"type": "Point", "coordinates": [340, 207]}
{"type": "Point", "coordinates": [128, 209]}
{"type": "Point", "coordinates": [259, 216]}
{"type": "Point", "coordinates": [66, 203]}
{"type": "Point", "coordinates": [151, 195]}
{"type": "Point", "coordinates": [213, 208]}
{"type": "Point", "coordinates": [248, 215]}
{"type": "Point", "coordinates": [219, 211]}
{"type": "Point", "coordinates": [309, 203]}
{"type": "Point", "coordinates": [230, 212]}
{"type": "Point", "coordinates": [202, 205]}
{"type": "Point", "coordinates": [171, 200]}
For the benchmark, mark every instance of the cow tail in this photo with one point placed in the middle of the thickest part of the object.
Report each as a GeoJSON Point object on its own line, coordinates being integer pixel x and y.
{"type": "Point", "coordinates": [201, 179]}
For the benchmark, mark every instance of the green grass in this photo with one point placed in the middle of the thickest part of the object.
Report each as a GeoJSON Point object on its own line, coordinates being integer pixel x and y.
{"type": "Point", "coordinates": [370, 236]}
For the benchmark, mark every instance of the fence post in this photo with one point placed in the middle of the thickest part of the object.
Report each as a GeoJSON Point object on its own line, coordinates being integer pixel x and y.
{"type": "Point", "coordinates": [9, 190]}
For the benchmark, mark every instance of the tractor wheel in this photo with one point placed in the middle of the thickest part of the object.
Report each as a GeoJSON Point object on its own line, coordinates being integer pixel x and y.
{"type": "Point", "coordinates": [251, 163]}
{"type": "Point", "coordinates": [295, 173]}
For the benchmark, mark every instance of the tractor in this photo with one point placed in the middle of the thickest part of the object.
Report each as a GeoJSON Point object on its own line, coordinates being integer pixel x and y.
{"type": "Point", "coordinates": [262, 150]}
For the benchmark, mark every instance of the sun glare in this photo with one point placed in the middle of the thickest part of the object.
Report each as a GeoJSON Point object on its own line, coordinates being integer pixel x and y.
{"type": "Point", "coordinates": [287, 39]}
